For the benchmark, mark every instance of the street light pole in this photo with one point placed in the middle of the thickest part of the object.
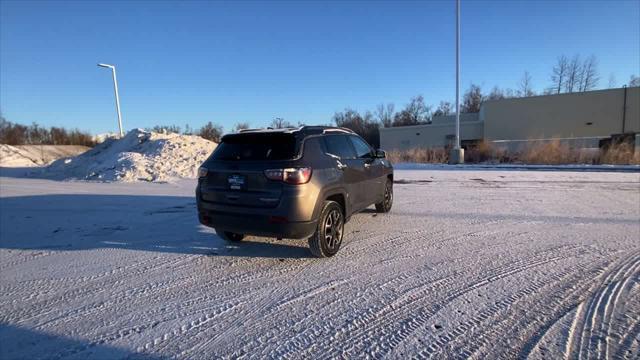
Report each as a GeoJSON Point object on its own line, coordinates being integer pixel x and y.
{"type": "Point", "coordinates": [115, 90]}
{"type": "Point", "coordinates": [457, 74]}
{"type": "Point", "coordinates": [456, 155]}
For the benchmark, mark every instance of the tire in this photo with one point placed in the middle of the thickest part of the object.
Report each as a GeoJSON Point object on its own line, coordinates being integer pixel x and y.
{"type": "Point", "coordinates": [326, 244]}
{"type": "Point", "coordinates": [385, 205]}
{"type": "Point", "coordinates": [230, 236]}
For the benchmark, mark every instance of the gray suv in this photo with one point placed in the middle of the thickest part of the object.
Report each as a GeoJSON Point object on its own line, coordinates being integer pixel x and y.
{"type": "Point", "coordinates": [292, 183]}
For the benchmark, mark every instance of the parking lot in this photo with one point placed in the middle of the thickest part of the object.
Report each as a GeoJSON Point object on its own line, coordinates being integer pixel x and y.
{"type": "Point", "coordinates": [482, 263]}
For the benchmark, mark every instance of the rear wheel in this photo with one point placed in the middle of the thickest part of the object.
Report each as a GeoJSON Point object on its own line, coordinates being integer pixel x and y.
{"type": "Point", "coordinates": [326, 241]}
{"type": "Point", "coordinates": [230, 236]}
{"type": "Point", "coordinates": [386, 203]}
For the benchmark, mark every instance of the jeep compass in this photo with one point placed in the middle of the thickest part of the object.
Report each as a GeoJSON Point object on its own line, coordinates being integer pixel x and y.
{"type": "Point", "coordinates": [292, 183]}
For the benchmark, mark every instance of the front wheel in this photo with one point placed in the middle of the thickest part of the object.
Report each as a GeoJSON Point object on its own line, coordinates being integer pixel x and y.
{"type": "Point", "coordinates": [326, 241]}
{"type": "Point", "coordinates": [230, 236]}
{"type": "Point", "coordinates": [386, 203]}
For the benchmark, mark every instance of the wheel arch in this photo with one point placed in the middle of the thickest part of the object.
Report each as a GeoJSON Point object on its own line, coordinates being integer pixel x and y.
{"type": "Point", "coordinates": [338, 195]}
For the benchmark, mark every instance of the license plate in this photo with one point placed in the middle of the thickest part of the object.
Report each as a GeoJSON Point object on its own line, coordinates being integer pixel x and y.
{"type": "Point", "coordinates": [237, 182]}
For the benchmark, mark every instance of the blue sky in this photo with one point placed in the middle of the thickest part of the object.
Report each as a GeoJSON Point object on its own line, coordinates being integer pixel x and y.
{"type": "Point", "coordinates": [196, 61]}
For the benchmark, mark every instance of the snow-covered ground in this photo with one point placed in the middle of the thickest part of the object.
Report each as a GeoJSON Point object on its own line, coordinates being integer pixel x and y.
{"type": "Point", "coordinates": [482, 264]}
{"type": "Point", "coordinates": [36, 155]}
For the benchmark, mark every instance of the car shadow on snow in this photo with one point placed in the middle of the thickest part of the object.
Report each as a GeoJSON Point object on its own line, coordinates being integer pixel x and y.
{"type": "Point", "coordinates": [21, 343]}
{"type": "Point", "coordinates": [166, 224]}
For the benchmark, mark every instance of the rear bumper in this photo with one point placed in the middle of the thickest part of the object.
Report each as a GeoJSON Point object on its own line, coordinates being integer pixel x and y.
{"type": "Point", "coordinates": [252, 224]}
{"type": "Point", "coordinates": [293, 217]}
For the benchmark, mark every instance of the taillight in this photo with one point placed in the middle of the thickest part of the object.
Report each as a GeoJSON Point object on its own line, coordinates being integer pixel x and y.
{"type": "Point", "coordinates": [295, 176]}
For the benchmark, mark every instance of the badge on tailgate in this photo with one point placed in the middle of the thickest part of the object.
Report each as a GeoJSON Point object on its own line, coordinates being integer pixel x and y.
{"type": "Point", "coordinates": [237, 182]}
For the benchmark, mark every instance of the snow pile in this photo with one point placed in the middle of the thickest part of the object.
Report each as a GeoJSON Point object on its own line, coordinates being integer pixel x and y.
{"type": "Point", "coordinates": [100, 138]}
{"type": "Point", "coordinates": [140, 155]}
{"type": "Point", "coordinates": [19, 156]}
{"type": "Point", "coordinates": [11, 156]}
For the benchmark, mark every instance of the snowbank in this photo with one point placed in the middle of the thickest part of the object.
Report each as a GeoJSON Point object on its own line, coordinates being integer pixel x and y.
{"type": "Point", "coordinates": [10, 156]}
{"type": "Point", "coordinates": [36, 155]}
{"type": "Point", "coordinates": [140, 155]}
{"type": "Point", "coordinates": [100, 138]}
{"type": "Point", "coordinates": [519, 167]}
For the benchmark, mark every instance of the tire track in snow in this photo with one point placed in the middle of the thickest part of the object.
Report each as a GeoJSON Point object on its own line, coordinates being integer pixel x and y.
{"type": "Point", "coordinates": [46, 286]}
{"type": "Point", "coordinates": [254, 308]}
{"type": "Point", "coordinates": [404, 307]}
{"type": "Point", "coordinates": [550, 311]}
{"type": "Point", "coordinates": [83, 289]}
{"type": "Point", "coordinates": [533, 324]}
{"type": "Point", "coordinates": [414, 323]}
{"type": "Point", "coordinates": [25, 258]}
{"type": "Point", "coordinates": [308, 294]}
{"type": "Point", "coordinates": [597, 305]}
{"type": "Point", "coordinates": [611, 306]}
{"type": "Point", "coordinates": [305, 338]}
{"type": "Point", "coordinates": [484, 334]}
{"type": "Point", "coordinates": [630, 344]}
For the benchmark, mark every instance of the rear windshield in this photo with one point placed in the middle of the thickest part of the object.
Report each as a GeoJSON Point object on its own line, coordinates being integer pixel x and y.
{"type": "Point", "coordinates": [256, 147]}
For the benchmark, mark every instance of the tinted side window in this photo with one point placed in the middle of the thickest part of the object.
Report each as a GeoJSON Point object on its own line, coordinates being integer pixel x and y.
{"type": "Point", "coordinates": [362, 148]}
{"type": "Point", "coordinates": [339, 145]}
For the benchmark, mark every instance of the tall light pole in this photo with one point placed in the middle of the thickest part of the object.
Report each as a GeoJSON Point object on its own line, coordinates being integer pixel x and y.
{"type": "Point", "coordinates": [115, 89]}
{"type": "Point", "coordinates": [456, 155]}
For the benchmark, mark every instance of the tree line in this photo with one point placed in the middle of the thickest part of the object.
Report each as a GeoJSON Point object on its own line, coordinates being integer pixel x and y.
{"type": "Point", "coordinates": [568, 75]}
{"type": "Point", "coordinates": [34, 134]}
{"type": "Point", "coordinates": [210, 131]}
{"type": "Point", "coordinates": [575, 75]}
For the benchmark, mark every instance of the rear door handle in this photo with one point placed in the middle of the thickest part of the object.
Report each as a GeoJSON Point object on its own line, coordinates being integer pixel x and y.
{"type": "Point", "coordinates": [341, 166]}
{"type": "Point", "coordinates": [367, 165]}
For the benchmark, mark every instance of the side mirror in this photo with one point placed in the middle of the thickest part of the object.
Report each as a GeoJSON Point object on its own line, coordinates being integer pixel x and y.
{"type": "Point", "coordinates": [380, 154]}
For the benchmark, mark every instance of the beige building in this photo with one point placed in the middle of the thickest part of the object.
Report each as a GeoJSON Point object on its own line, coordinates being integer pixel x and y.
{"type": "Point", "coordinates": [590, 114]}
{"type": "Point", "coordinates": [440, 133]}
{"type": "Point", "coordinates": [580, 119]}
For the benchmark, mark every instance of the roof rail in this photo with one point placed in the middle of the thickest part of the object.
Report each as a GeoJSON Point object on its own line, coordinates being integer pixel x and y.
{"type": "Point", "coordinates": [339, 130]}
{"type": "Point", "coordinates": [323, 128]}
{"type": "Point", "coordinates": [318, 129]}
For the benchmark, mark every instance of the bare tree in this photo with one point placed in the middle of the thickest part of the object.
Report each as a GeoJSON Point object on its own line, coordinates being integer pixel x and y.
{"type": "Point", "coordinates": [384, 114]}
{"type": "Point", "coordinates": [210, 131]}
{"type": "Point", "coordinates": [559, 75]}
{"type": "Point", "coordinates": [525, 88]}
{"type": "Point", "coordinates": [496, 94]}
{"type": "Point", "coordinates": [634, 80]}
{"type": "Point", "coordinates": [510, 93]}
{"type": "Point", "coordinates": [280, 123]}
{"type": "Point", "coordinates": [472, 100]}
{"type": "Point", "coordinates": [165, 129]}
{"type": "Point", "coordinates": [16, 134]}
{"type": "Point", "coordinates": [364, 126]}
{"type": "Point", "coordinates": [243, 125]}
{"type": "Point", "coordinates": [589, 74]}
{"type": "Point", "coordinates": [415, 113]}
{"type": "Point", "coordinates": [445, 108]}
{"type": "Point", "coordinates": [574, 74]}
